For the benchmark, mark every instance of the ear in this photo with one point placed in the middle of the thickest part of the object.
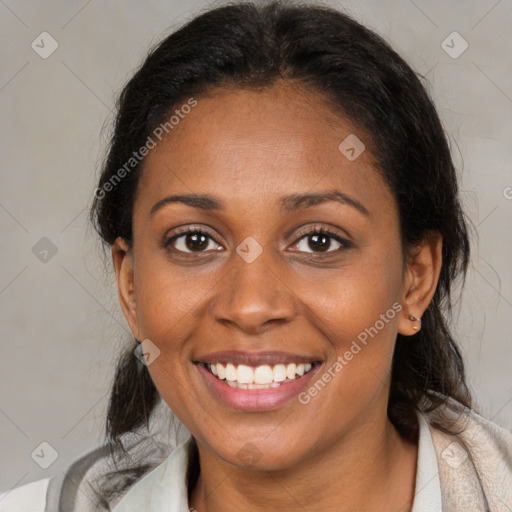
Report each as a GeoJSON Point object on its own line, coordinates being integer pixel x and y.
{"type": "Point", "coordinates": [420, 282]}
{"type": "Point", "coordinates": [122, 256]}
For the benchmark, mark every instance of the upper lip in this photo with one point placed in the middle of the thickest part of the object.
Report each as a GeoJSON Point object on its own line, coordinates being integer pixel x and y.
{"type": "Point", "coordinates": [255, 358]}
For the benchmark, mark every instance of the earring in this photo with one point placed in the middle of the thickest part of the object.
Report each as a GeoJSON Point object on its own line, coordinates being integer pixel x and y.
{"type": "Point", "coordinates": [414, 319]}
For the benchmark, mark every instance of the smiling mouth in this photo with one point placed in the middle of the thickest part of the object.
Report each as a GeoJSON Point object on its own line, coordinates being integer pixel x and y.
{"type": "Point", "coordinates": [260, 377]}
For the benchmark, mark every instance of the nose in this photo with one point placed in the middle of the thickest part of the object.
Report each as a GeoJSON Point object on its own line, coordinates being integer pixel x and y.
{"type": "Point", "coordinates": [253, 296]}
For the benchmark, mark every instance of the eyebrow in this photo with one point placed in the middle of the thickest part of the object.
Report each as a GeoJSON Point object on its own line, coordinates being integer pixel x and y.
{"type": "Point", "coordinates": [289, 203]}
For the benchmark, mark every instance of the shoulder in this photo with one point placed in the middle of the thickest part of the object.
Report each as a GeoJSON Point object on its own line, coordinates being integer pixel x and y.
{"type": "Point", "coordinates": [95, 482]}
{"type": "Point", "coordinates": [474, 459]}
{"type": "Point", "coordinates": [78, 488]}
{"type": "Point", "coordinates": [480, 435]}
{"type": "Point", "coordinates": [61, 492]}
{"type": "Point", "coordinates": [30, 497]}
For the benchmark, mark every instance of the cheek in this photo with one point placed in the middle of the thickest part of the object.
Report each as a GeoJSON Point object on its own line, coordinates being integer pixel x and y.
{"type": "Point", "coordinates": [166, 316]}
{"type": "Point", "coordinates": [349, 300]}
{"type": "Point", "coordinates": [357, 311]}
{"type": "Point", "coordinates": [168, 300]}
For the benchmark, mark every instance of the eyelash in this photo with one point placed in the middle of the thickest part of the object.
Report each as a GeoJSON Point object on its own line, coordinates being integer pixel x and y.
{"type": "Point", "coordinates": [316, 230]}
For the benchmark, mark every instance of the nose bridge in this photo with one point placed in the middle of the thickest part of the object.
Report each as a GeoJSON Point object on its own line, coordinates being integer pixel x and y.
{"type": "Point", "coordinates": [254, 295]}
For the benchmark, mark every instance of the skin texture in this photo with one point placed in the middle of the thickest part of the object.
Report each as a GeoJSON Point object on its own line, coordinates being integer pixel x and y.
{"type": "Point", "coordinates": [248, 148]}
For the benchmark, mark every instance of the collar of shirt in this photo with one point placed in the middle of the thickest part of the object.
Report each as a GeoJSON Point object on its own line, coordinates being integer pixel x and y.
{"type": "Point", "coordinates": [164, 488]}
{"type": "Point", "coordinates": [427, 494]}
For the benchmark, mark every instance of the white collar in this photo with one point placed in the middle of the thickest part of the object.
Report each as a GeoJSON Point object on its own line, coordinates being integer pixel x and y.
{"type": "Point", "coordinates": [164, 489]}
{"type": "Point", "coordinates": [427, 494]}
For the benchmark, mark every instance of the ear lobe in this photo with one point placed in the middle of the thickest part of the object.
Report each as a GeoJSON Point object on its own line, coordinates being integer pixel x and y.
{"type": "Point", "coordinates": [122, 257]}
{"type": "Point", "coordinates": [420, 283]}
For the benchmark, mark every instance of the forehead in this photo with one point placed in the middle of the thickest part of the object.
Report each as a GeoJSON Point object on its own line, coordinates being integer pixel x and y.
{"type": "Point", "coordinates": [256, 145]}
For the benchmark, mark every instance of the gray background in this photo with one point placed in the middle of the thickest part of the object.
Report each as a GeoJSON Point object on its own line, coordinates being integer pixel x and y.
{"type": "Point", "coordinates": [61, 325]}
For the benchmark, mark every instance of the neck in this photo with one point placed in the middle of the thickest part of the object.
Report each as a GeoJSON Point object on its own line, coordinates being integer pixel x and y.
{"type": "Point", "coordinates": [369, 468]}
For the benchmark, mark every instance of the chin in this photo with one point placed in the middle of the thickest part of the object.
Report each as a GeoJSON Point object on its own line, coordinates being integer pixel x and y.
{"type": "Point", "coordinates": [261, 455]}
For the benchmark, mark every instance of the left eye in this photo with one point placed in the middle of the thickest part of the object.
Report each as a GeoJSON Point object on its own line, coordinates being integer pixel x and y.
{"type": "Point", "coordinates": [320, 239]}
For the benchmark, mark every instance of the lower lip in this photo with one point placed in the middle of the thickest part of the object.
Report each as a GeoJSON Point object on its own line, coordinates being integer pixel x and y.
{"type": "Point", "coordinates": [255, 399]}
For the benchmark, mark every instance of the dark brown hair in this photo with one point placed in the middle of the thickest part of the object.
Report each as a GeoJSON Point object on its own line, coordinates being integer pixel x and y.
{"type": "Point", "coordinates": [329, 53]}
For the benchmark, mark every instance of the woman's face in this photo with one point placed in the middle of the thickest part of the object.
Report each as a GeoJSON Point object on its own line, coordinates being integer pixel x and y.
{"type": "Point", "coordinates": [257, 291]}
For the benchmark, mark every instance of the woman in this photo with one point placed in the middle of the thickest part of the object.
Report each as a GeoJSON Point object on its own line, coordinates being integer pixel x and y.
{"type": "Point", "coordinates": [283, 214]}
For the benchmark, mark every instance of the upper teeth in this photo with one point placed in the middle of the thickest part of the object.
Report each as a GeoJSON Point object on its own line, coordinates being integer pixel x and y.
{"type": "Point", "coordinates": [264, 374]}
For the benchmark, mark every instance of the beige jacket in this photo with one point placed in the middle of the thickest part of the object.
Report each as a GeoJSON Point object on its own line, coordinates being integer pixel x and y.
{"type": "Point", "coordinates": [475, 466]}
